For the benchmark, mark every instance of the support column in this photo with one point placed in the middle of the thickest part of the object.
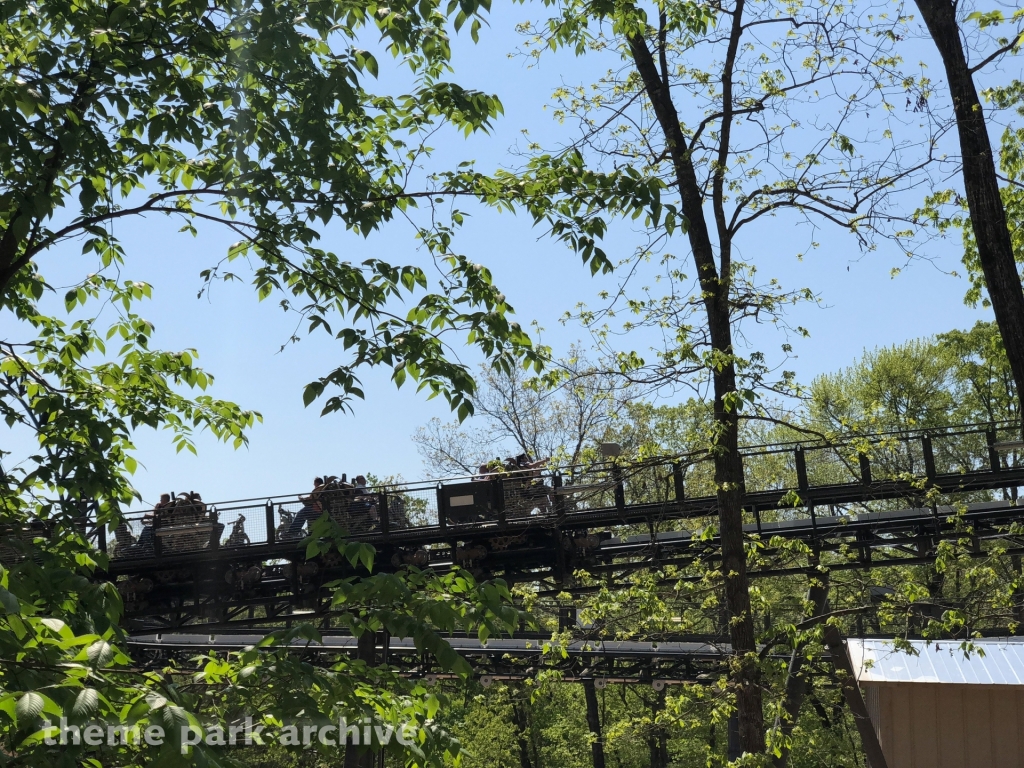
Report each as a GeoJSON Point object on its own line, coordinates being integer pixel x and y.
{"type": "Point", "coordinates": [734, 747]}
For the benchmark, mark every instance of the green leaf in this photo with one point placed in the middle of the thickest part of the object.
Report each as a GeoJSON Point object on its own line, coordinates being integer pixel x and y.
{"type": "Point", "coordinates": [86, 703]}
{"type": "Point", "coordinates": [55, 625]}
{"type": "Point", "coordinates": [30, 706]}
{"type": "Point", "coordinates": [8, 603]}
{"type": "Point", "coordinates": [312, 391]}
{"type": "Point", "coordinates": [366, 553]}
{"type": "Point", "coordinates": [8, 705]}
{"type": "Point", "coordinates": [100, 653]}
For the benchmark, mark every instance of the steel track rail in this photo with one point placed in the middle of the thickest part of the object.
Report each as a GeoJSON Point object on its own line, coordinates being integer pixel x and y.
{"type": "Point", "coordinates": [628, 514]}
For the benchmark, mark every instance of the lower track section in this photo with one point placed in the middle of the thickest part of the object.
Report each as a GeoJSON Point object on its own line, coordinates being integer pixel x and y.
{"type": "Point", "coordinates": [222, 589]}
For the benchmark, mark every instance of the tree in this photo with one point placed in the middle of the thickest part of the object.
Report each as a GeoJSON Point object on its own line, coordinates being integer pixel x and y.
{"type": "Point", "coordinates": [958, 377]}
{"type": "Point", "coordinates": [246, 118]}
{"type": "Point", "coordinates": [659, 604]}
{"type": "Point", "coordinates": [738, 150]}
{"type": "Point", "coordinates": [558, 417]}
{"type": "Point", "coordinates": [255, 117]}
{"type": "Point", "coordinates": [904, 386]}
{"type": "Point", "coordinates": [989, 224]}
{"type": "Point", "coordinates": [985, 389]}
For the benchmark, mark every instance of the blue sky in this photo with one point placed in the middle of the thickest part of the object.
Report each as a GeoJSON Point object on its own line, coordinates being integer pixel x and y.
{"type": "Point", "coordinates": [238, 339]}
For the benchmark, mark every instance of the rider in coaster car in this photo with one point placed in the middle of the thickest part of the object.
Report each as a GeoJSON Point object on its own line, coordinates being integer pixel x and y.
{"type": "Point", "coordinates": [364, 506]}
{"type": "Point", "coordinates": [311, 510]}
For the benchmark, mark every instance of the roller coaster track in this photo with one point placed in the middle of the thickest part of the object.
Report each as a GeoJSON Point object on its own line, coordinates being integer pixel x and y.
{"type": "Point", "coordinates": [673, 660]}
{"type": "Point", "coordinates": [607, 661]}
{"type": "Point", "coordinates": [610, 519]}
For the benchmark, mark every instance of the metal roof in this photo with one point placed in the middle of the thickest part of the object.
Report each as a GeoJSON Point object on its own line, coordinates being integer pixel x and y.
{"type": "Point", "coordinates": [993, 661]}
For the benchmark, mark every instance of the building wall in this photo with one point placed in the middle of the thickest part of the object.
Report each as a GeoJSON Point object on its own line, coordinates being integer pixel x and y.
{"type": "Point", "coordinates": [941, 725]}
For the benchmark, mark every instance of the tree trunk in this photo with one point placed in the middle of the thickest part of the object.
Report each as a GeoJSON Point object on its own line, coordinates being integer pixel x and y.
{"type": "Point", "coordinates": [854, 699]}
{"type": "Point", "coordinates": [594, 722]}
{"type": "Point", "coordinates": [988, 217]}
{"type": "Point", "coordinates": [657, 738]}
{"type": "Point", "coordinates": [522, 734]}
{"type": "Point", "coordinates": [1017, 608]}
{"type": "Point", "coordinates": [746, 673]}
{"type": "Point", "coordinates": [715, 286]}
{"type": "Point", "coordinates": [366, 651]}
{"type": "Point", "coordinates": [16, 250]}
{"type": "Point", "coordinates": [796, 682]}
